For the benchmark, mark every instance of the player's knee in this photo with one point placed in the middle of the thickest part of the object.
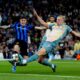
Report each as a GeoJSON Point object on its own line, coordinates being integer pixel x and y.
{"type": "Point", "coordinates": [16, 48]}
{"type": "Point", "coordinates": [41, 52]}
{"type": "Point", "coordinates": [25, 57]}
{"type": "Point", "coordinates": [40, 60]}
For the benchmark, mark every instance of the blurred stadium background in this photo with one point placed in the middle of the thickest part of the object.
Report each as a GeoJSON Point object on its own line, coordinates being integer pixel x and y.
{"type": "Point", "coordinates": [66, 51]}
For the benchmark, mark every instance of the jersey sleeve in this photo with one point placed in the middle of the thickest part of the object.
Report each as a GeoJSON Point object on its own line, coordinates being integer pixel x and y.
{"type": "Point", "coordinates": [50, 26]}
{"type": "Point", "coordinates": [30, 26]}
{"type": "Point", "coordinates": [13, 25]}
{"type": "Point", "coordinates": [69, 29]}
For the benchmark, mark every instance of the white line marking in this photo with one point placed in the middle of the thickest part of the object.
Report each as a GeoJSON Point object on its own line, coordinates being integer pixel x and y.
{"type": "Point", "coordinates": [45, 75]}
{"type": "Point", "coordinates": [6, 59]}
{"type": "Point", "coordinates": [51, 61]}
{"type": "Point", "coordinates": [66, 62]}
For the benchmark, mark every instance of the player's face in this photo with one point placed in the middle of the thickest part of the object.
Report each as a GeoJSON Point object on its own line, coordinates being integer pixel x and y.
{"type": "Point", "coordinates": [51, 19]}
{"type": "Point", "coordinates": [60, 20]}
{"type": "Point", "coordinates": [23, 21]}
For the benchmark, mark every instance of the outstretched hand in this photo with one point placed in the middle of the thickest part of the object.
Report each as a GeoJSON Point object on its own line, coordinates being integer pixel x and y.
{"type": "Point", "coordinates": [34, 12]}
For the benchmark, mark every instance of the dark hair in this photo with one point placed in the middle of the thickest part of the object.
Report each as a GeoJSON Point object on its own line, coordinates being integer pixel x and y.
{"type": "Point", "coordinates": [23, 17]}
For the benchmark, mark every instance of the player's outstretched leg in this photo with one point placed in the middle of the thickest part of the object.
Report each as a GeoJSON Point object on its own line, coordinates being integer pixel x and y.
{"type": "Point", "coordinates": [45, 62]}
{"type": "Point", "coordinates": [14, 62]}
{"type": "Point", "coordinates": [14, 67]}
{"type": "Point", "coordinates": [16, 51]}
{"type": "Point", "coordinates": [36, 56]}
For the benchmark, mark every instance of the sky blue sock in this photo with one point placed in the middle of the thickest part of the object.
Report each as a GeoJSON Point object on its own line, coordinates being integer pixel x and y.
{"type": "Point", "coordinates": [32, 58]}
{"type": "Point", "coordinates": [46, 63]}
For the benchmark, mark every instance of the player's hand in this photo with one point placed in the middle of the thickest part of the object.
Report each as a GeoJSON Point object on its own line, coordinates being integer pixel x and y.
{"type": "Point", "coordinates": [34, 12]}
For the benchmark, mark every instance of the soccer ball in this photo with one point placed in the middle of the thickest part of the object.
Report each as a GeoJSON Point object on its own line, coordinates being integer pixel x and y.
{"type": "Point", "coordinates": [14, 56]}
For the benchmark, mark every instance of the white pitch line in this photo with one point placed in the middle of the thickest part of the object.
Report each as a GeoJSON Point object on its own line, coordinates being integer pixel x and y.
{"type": "Point", "coordinates": [6, 59]}
{"type": "Point", "coordinates": [51, 61]}
{"type": "Point", "coordinates": [65, 62]}
{"type": "Point", "coordinates": [45, 75]}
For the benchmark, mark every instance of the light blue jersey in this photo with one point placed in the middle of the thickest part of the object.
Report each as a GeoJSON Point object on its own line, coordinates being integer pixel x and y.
{"type": "Point", "coordinates": [45, 36]}
{"type": "Point", "coordinates": [56, 34]}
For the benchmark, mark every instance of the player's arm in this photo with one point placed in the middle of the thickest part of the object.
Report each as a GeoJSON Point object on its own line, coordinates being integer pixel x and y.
{"type": "Point", "coordinates": [40, 19]}
{"type": "Point", "coordinates": [77, 34]}
{"type": "Point", "coordinates": [40, 28]}
{"type": "Point", "coordinates": [9, 26]}
{"type": "Point", "coordinates": [4, 27]}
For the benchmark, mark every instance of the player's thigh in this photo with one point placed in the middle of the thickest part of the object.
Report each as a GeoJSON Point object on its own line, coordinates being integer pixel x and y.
{"type": "Point", "coordinates": [16, 48]}
{"type": "Point", "coordinates": [41, 58]}
{"type": "Point", "coordinates": [42, 52]}
{"type": "Point", "coordinates": [48, 47]}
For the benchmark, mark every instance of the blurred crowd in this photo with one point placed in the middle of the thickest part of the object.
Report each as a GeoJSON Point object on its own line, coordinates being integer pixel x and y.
{"type": "Point", "coordinates": [11, 10]}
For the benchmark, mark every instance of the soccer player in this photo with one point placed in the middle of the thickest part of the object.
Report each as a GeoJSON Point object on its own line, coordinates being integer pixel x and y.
{"type": "Point", "coordinates": [21, 29]}
{"type": "Point", "coordinates": [57, 33]}
{"type": "Point", "coordinates": [50, 21]}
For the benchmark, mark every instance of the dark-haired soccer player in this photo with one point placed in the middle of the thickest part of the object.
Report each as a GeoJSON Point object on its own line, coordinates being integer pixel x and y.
{"type": "Point", "coordinates": [21, 30]}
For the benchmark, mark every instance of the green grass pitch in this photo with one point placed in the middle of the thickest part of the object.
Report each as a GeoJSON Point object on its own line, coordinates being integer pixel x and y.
{"type": "Point", "coordinates": [66, 70]}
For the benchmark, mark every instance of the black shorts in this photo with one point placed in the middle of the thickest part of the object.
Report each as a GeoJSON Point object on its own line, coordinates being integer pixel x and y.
{"type": "Point", "coordinates": [23, 47]}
